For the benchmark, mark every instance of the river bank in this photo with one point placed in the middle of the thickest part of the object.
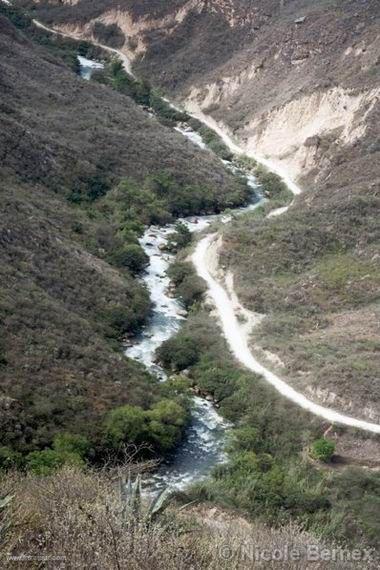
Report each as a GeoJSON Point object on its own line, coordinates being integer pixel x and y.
{"type": "Point", "coordinates": [203, 444]}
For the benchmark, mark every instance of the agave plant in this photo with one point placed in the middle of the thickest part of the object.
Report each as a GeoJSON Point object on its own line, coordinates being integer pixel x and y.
{"type": "Point", "coordinates": [136, 510]}
{"type": "Point", "coordinates": [4, 502]}
{"type": "Point", "coordinates": [4, 520]}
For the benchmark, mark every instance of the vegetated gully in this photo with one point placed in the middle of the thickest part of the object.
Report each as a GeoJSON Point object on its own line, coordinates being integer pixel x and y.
{"type": "Point", "coordinates": [203, 444]}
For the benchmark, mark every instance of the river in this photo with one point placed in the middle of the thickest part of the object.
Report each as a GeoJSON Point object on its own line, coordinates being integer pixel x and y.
{"type": "Point", "coordinates": [202, 446]}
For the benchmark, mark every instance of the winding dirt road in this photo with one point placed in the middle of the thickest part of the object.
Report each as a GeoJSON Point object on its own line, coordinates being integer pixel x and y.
{"type": "Point", "coordinates": [232, 330]}
{"type": "Point", "coordinates": [238, 344]}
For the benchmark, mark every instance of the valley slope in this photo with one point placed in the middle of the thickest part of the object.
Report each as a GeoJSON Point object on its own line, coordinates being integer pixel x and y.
{"type": "Point", "coordinates": [69, 255]}
{"type": "Point", "coordinates": [297, 83]}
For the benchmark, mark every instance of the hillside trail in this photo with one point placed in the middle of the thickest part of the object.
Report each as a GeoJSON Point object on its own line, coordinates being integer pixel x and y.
{"type": "Point", "coordinates": [205, 262]}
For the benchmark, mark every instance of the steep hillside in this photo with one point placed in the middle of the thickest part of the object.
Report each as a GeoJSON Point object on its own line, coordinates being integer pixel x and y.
{"type": "Point", "coordinates": [292, 81]}
{"type": "Point", "coordinates": [69, 254]}
{"type": "Point", "coordinates": [296, 82]}
{"type": "Point", "coordinates": [277, 77]}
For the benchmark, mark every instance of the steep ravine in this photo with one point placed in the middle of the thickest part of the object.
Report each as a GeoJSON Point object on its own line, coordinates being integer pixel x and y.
{"type": "Point", "coordinates": [203, 446]}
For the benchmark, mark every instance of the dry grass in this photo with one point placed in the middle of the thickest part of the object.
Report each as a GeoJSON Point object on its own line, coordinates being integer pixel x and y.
{"type": "Point", "coordinates": [74, 520]}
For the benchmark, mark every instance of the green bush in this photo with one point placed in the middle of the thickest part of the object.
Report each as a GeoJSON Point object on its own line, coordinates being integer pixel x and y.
{"type": "Point", "coordinates": [322, 449]}
{"type": "Point", "coordinates": [119, 320]}
{"type": "Point", "coordinates": [9, 459]}
{"type": "Point", "coordinates": [191, 290]}
{"type": "Point", "coordinates": [179, 352]}
{"type": "Point", "coordinates": [181, 238]}
{"type": "Point", "coordinates": [165, 110]}
{"type": "Point", "coordinates": [245, 438]}
{"type": "Point", "coordinates": [132, 256]}
{"type": "Point", "coordinates": [49, 460]}
{"type": "Point", "coordinates": [160, 426]}
{"type": "Point", "coordinates": [126, 424]}
{"type": "Point", "coordinates": [165, 423]}
{"type": "Point", "coordinates": [189, 287]}
{"type": "Point", "coordinates": [271, 183]}
{"type": "Point", "coordinates": [70, 443]}
{"type": "Point", "coordinates": [212, 140]}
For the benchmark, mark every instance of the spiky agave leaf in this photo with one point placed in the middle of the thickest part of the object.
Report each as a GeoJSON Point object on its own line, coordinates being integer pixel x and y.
{"type": "Point", "coordinates": [4, 502]}
{"type": "Point", "coordinates": [159, 503]}
{"type": "Point", "coordinates": [136, 497]}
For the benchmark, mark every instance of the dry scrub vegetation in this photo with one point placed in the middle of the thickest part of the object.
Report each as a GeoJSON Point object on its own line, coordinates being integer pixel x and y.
{"type": "Point", "coordinates": [83, 168]}
{"type": "Point", "coordinates": [75, 520]}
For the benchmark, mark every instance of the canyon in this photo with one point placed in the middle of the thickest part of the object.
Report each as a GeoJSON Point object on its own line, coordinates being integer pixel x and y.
{"type": "Point", "coordinates": [190, 268]}
{"type": "Point", "coordinates": [296, 87]}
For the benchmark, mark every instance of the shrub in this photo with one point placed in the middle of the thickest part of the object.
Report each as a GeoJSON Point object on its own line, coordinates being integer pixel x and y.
{"type": "Point", "coordinates": [191, 290]}
{"type": "Point", "coordinates": [178, 271]}
{"type": "Point", "coordinates": [165, 110]}
{"type": "Point", "coordinates": [120, 320]}
{"type": "Point", "coordinates": [189, 287]}
{"type": "Point", "coordinates": [179, 352]}
{"type": "Point", "coordinates": [322, 449]}
{"type": "Point", "coordinates": [181, 237]}
{"type": "Point", "coordinates": [245, 439]}
{"type": "Point", "coordinates": [161, 425]}
{"type": "Point", "coordinates": [244, 462]}
{"type": "Point", "coordinates": [272, 183]}
{"type": "Point", "coordinates": [49, 460]}
{"type": "Point", "coordinates": [9, 459]}
{"type": "Point", "coordinates": [213, 140]}
{"type": "Point", "coordinates": [165, 423]}
{"type": "Point", "coordinates": [126, 425]}
{"type": "Point", "coordinates": [131, 256]}
{"type": "Point", "coordinates": [70, 443]}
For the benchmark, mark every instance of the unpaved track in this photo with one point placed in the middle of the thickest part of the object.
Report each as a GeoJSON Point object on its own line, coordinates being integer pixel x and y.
{"type": "Point", "coordinates": [237, 341]}
{"type": "Point", "coordinates": [232, 330]}
{"type": "Point", "coordinates": [126, 62]}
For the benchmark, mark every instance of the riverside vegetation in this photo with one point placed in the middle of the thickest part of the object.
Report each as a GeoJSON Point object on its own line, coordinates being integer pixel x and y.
{"type": "Point", "coordinates": [73, 211]}
{"type": "Point", "coordinates": [264, 477]}
{"type": "Point", "coordinates": [84, 517]}
{"type": "Point", "coordinates": [270, 475]}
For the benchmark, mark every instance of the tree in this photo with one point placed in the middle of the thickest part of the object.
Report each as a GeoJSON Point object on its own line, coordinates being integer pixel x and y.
{"type": "Point", "coordinates": [322, 449]}
{"type": "Point", "coordinates": [47, 461]}
{"type": "Point", "coordinates": [126, 424]}
{"type": "Point", "coordinates": [166, 420]}
{"type": "Point", "coordinates": [131, 256]}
